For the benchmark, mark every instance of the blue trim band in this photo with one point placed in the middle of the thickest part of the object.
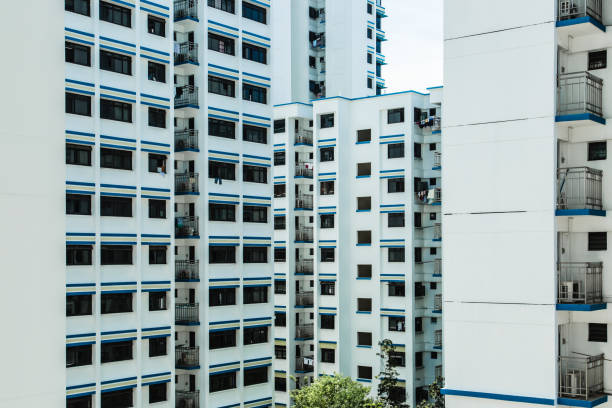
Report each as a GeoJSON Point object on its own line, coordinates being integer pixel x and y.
{"type": "Point", "coordinates": [500, 397]}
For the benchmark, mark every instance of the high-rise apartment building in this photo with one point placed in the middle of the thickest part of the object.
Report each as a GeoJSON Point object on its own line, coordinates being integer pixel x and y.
{"type": "Point", "coordinates": [526, 262]}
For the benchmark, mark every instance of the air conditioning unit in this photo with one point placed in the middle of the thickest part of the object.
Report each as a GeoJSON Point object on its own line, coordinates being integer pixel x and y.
{"type": "Point", "coordinates": [574, 382]}
{"type": "Point", "coordinates": [569, 290]}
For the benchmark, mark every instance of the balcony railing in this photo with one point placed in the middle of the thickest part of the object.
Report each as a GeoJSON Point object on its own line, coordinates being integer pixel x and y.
{"type": "Point", "coordinates": [437, 124]}
{"type": "Point", "coordinates": [579, 282]}
{"type": "Point", "coordinates": [186, 183]}
{"type": "Point", "coordinates": [437, 263]}
{"type": "Point", "coordinates": [437, 236]}
{"type": "Point", "coordinates": [579, 92]}
{"type": "Point", "coordinates": [304, 267]}
{"type": "Point", "coordinates": [187, 357]}
{"type": "Point", "coordinates": [570, 9]}
{"type": "Point", "coordinates": [187, 399]}
{"type": "Point", "coordinates": [437, 159]}
{"type": "Point", "coordinates": [185, 9]}
{"type": "Point", "coordinates": [438, 339]}
{"type": "Point", "coordinates": [304, 234]}
{"type": "Point", "coordinates": [438, 303]}
{"type": "Point", "coordinates": [186, 270]}
{"type": "Point", "coordinates": [303, 202]}
{"type": "Point", "coordinates": [187, 313]}
{"type": "Point", "coordinates": [581, 377]}
{"type": "Point", "coordinates": [186, 96]}
{"type": "Point", "coordinates": [431, 196]}
{"type": "Point", "coordinates": [304, 364]}
{"type": "Point", "coordinates": [304, 136]}
{"type": "Point", "coordinates": [579, 188]}
{"type": "Point", "coordinates": [186, 52]}
{"type": "Point", "coordinates": [185, 140]}
{"type": "Point", "coordinates": [304, 331]}
{"type": "Point", "coordinates": [304, 299]}
{"type": "Point", "coordinates": [303, 170]}
{"type": "Point", "coordinates": [186, 227]}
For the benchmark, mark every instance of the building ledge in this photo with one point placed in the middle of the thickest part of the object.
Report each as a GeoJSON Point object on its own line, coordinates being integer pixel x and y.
{"type": "Point", "coordinates": [581, 211]}
{"type": "Point", "coordinates": [580, 117]}
{"type": "Point", "coordinates": [186, 150]}
{"type": "Point", "coordinates": [187, 193]}
{"type": "Point", "coordinates": [187, 324]}
{"type": "Point", "coordinates": [177, 20]}
{"type": "Point", "coordinates": [187, 63]}
{"type": "Point", "coordinates": [437, 168]}
{"type": "Point", "coordinates": [499, 397]}
{"type": "Point", "coordinates": [581, 307]}
{"type": "Point", "coordinates": [186, 280]}
{"type": "Point", "coordinates": [187, 368]}
{"type": "Point", "coordinates": [582, 20]}
{"type": "Point", "coordinates": [188, 105]}
{"type": "Point", "coordinates": [187, 237]}
{"type": "Point", "coordinates": [569, 402]}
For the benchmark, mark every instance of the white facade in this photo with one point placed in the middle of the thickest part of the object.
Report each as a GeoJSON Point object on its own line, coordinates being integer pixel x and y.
{"type": "Point", "coordinates": [524, 205]}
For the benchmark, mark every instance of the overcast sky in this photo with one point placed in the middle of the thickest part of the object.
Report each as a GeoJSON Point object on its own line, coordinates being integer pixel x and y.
{"type": "Point", "coordinates": [414, 49]}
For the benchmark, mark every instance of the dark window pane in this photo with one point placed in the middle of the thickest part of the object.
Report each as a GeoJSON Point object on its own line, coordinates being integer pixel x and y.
{"type": "Point", "coordinates": [78, 104]}
{"type": "Point", "coordinates": [115, 14]}
{"type": "Point", "coordinates": [78, 54]}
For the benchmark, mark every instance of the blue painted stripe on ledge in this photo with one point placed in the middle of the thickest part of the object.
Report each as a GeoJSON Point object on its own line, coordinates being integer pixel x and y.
{"type": "Point", "coordinates": [582, 20]}
{"type": "Point", "coordinates": [581, 307]}
{"type": "Point", "coordinates": [500, 397]}
{"type": "Point", "coordinates": [585, 211]}
{"type": "Point", "coordinates": [580, 116]}
{"type": "Point", "coordinates": [581, 403]}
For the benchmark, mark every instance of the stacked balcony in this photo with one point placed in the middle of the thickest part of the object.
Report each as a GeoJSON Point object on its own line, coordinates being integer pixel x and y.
{"type": "Point", "coordinates": [437, 235]}
{"type": "Point", "coordinates": [437, 304]}
{"type": "Point", "coordinates": [303, 137]}
{"type": "Point", "coordinates": [304, 364]}
{"type": "Point", "coordinates": [187, 358]}
{"type": "Point", "coordinates": [186, 227]}
{"type": "Point", "coordinates": [303, 170]}
{"type": "Point", "coordinates": [304, 234]}
{"type": "Point", "coordinates": [186, 140]}
{"type": "Point", "coordinates": [187, 271]}
{"type": "Point", "coordinates": [431, 196]}
{"type": "Point", "coordinates": [304, 299]}
{"type": "Point", "coordinates": [186, 96]}
{"type": "Point", "coordinates": [185, 10]}
{"type": "Point", "coordinates": [577, 12]}
{"type": "Point", "coordinates": [579, 191]}
{"type": "Point", "coordinates": [304, 331]}
{"type": "Point", "coordinates": [187, 399]}
{"type": "Point", "coordinates": [581, 378]}
{"type": "Point", "coordinates": [437, 165]}
{"type": "Point", "coordinates": [186, 53]}
{"type": "Point", "coordinates": [437, 263]}
{"type": "Point", "coordinates": [186, 183]}
{"type": "Point", "coordinates": [579, 99]}
{"type": "Point", "coordinates": [438, 339]}
{"type": "Point", "coordinates": [579, 286]}
{"type": "Point", "coordinates": [304, 267]}
{"type": "Point", "coordinates": [303, 202]}
{"type": "Point", "coordinates": [187, 314]}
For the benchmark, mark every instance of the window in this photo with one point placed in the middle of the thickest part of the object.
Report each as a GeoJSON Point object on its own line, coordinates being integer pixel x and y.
{"type": "Point", "coordinates": [327, 154]}
{"type": "Point", "coordinates": [115, 206]}
{"type": "Point", "coordinates": [418, 324]}
{"type": "Point", "coordinates": [78, 155]}
{"type": "Point", "coordinates": [254, 93]}
{"type": "Point", "coordinates": [254, 214]}
{"type": "Point", "coordinates": [364, 339]}
{"type": "Point", "coordinates": [364, 136]}
{"type": "Point", "coordinates": [396, 255]}
{"type": "Point", "coordinates": [395, 185]}
{"type": "Point", "coordinates": [116, 351]}
{"type": "Point", "coordinates": [254, 53]}
{"type": "Point", "coordinates": [598, 241]}
{"type": "Point", "coordinates": [364, 203]}
{"type": "Point", "coordinates": [364, 271]}
{"type": "Point", "coordinates": [255, 335]}
{"type": "Point", "coordinates": [225, 5]}
{"type": "Point", "coordinates": [279, 126]}
{"type": "Point", "coordinates": [280, 352]}
{"type": "Point", "coordinates": [157, 301]}
{"type": "Point", "coordinates": [157, 163]}
{"type": "Point", "coordinates": [280, 384]}
{"type": "Point", "coordinates": [598, 59]}
{"type": "Point", "coordinates": [79, 402]}
{"type": "Point", "coordinates": [433, 285]}
{"type": "Point", "coordinates": [597, 151]}
{"type": "Point", "coordinates": [221, 254]}
{"type": "Point", "coordinates": [157, 393]}
{"type": "Point", "coordinates": [116, 399]}
{"type": "Point", "coordinates": [369, 59]}
{"type": "Point", "coordinates": [115, 110]}
{"type": "Point", "coordinates": [432, 216]}
{"type": "Point", "coordinates": [157, 72]}
{"type": "Point", "coordinates": [370, 33]}
{"type": "Point", "coordinates": [369, 82]}
{"type": "Point", "coordinates": [157, 118]}
{"type": "Point", "coordinates": [327, 121]}
{"type": "Point", "coordinates": [78, 104]}
{"type": "Point", "coordinates": [327, 321]}
{"type": "Point", "coordinates": [364, 169]}
{"type": "Point", "coordinates": [397, 324]}
{"type": "Point", "coordinates": [116, 303]}
{"type": "Point", "coordinates": [116, 159]}
{"type": "Point", "coordinates": [397, 359]}
{"type": "Point", "coordinates": [364, 305]}
{"type": "Point", "coordinates": [419, 289]}
{"type": "Point", "coordinates": [258, 294]}
{"type": "Point", "coordinates": [221, 128]}
{"type": "Point", "coordinates": [280, 223]}
{"type": "Point", "coordinates": [327, 255]}
{"type": "Point", "coordinates": [397, 289]}
{"type": "Point", "coordinates": [280, 319]}
{"type": "Point", "coordinates": [395, 220]}
{"type": "Point", "coordinates": [364, 372]}
{"type": "Point", "coordinates": [369, 8]}
{"type": "Point", "coordinates": [395, 116]}
{"type": "Point", "coordinates": [220, 44]}
{"type": "Point", "coordinates": [327, 188]}
{"type": "Point", "coordinates": [364, 237]}
{"type": "Point", "coordinates": [78, 255]}
{"type": "Point", "coordinates": [417, 151]}
{"type": "Point", "coordinates": [418, 360]}
{"type": "Point", "coordinates": [78, 305]}
{"type": "Point", "coordinates": [116, 255]}
{"type": "Point", "coordinates": [255, 174]}
{"type": "Point", "coordinates": [77, 6]}
{"type": "Point", "coordinates": [255, 255]}
{"type": "Point", "coordinates": [434, 355]}
{"type": "Point", "coordinates": [110, 61]}
{"type": "Point", "coordinates": [220, 382]}
{"type": "Point", "coordinates": [221, 339]}
{"type": "Point", "coordinates": [115, 14]}
{"type": "Point", "coordinates": [253, 12]}
{"type": "Point", "coordinates": [328, 288]}
{"type": "Point", "coordinates": [78, 356]}
{"type": "Point", "coordinates": [328, 355]}
{"type": "Point", "coordinates": [280, 286]}
{"type": "Point", "coordinates": [221, 86]}
{"type": "Point", "coordinates": [157, 208]}
{"type": "Point", "coordinates": [279, 160]}
{"type": "Point", "coordinates": [254, 134]}
{"type": "Point", "coordinates": [221, 212]}
{"type": "Point", "coordinates": [221, 170]}
{"type": "Point", "coordinates": [327, 220]}
{"type": "Point", "coordinates": [221, 296]}
{"type": "Point", "coordinates": [598, 332]}
{"type": "Point", "coordinates": [156, 26]}
{"type": "Point", "coordinates": [158, 347]}
{"type": "Point", "coordinates": [418, 256]}
{"type": "Point", "coordinates": [78, 54]}
{"type": "Point", "coordinates": [432, 147]}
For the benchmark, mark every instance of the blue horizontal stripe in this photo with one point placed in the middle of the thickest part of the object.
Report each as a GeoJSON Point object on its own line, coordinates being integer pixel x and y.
{"type": "Point", "coordinates": [500, 397]}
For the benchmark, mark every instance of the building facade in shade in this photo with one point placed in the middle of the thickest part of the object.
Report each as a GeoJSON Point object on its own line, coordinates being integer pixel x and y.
{"type": "Point", "coordinates": [327, 48]}
{"type": "Point", "coordinates": [525, 228]}
{"type": "Point", "coordinates": [357, 201]}
{"type": "Point", "coordinates": [223, 197]}
{"type": "Point", "coordinates": [119, 180]}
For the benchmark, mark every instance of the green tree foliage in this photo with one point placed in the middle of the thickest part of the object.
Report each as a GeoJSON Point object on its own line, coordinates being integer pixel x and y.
{"type": "Point", "coordinates": [388, 378]}
{"type": "Point", "coordinates": [333, 392]}
{"type": "Point", "coordinates": [436, 399]}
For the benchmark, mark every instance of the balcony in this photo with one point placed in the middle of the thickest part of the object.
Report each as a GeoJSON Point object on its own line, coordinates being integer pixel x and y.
{"type": "Point", "coordinates": [437, 235]}
{"type": "Point", "coordinates": [303, 234]}
{"type": "Point", "coordinates": [437, 263]}
{"type": "Point", "coordinates": [304, 137]}
{"type": "Point", "coordinates": [581, 378]}
{"type": "Point", "coordinates": [438, 339]}
{"type": "Point", "coordinates": [187, 399]}
{"type": "Point", "coordinates": [187, 314]}
{"type": "Point", "coordinates": [186, 227]}
{"type": "Point", "coordinates": [579, 99]}
{"type": "Point", "coordinates": [580, 286]}
{"type": "Point", "coordinates": [186, 183]}
{"type": "Point", "coordinates": [304, 331]}
{"type": "Point", "coordinates": [574, 12]}
{"type": "Point", "coordinates": [186, 53]}
{"type": "Point", "coordinates": [187, 358]}
{"type": "Point", "coordinates": [186, 97]}
{"type": "Point", "coordinates": [304, 267]}
{"type": "Point", "coordinates": [187, 271]}
{"type": "Point", "coordinates": [304, 299]}
{"type": "Point", "coordinates": [437, 304]}
{"type": "Point", "coordinates": [304, 364]}
{"type": "Point", "coordinates": [303, 170]}
{"type": "Point", "coordinates": [303, 202]}
{"type": "Point", "coordinates": [579, 191]}
{"type": "Point", "coordinates": [433, 196]}
{"type": "Point", "coordinates": [185, 10]}
{"type": "Point", "coordinates": [186, 140]}
{"type": "Point", "coordinates": [437, 164]}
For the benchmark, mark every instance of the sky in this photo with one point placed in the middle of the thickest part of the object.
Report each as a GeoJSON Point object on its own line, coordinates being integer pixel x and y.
{"type": "Point", "coordinates": [413, 51]}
